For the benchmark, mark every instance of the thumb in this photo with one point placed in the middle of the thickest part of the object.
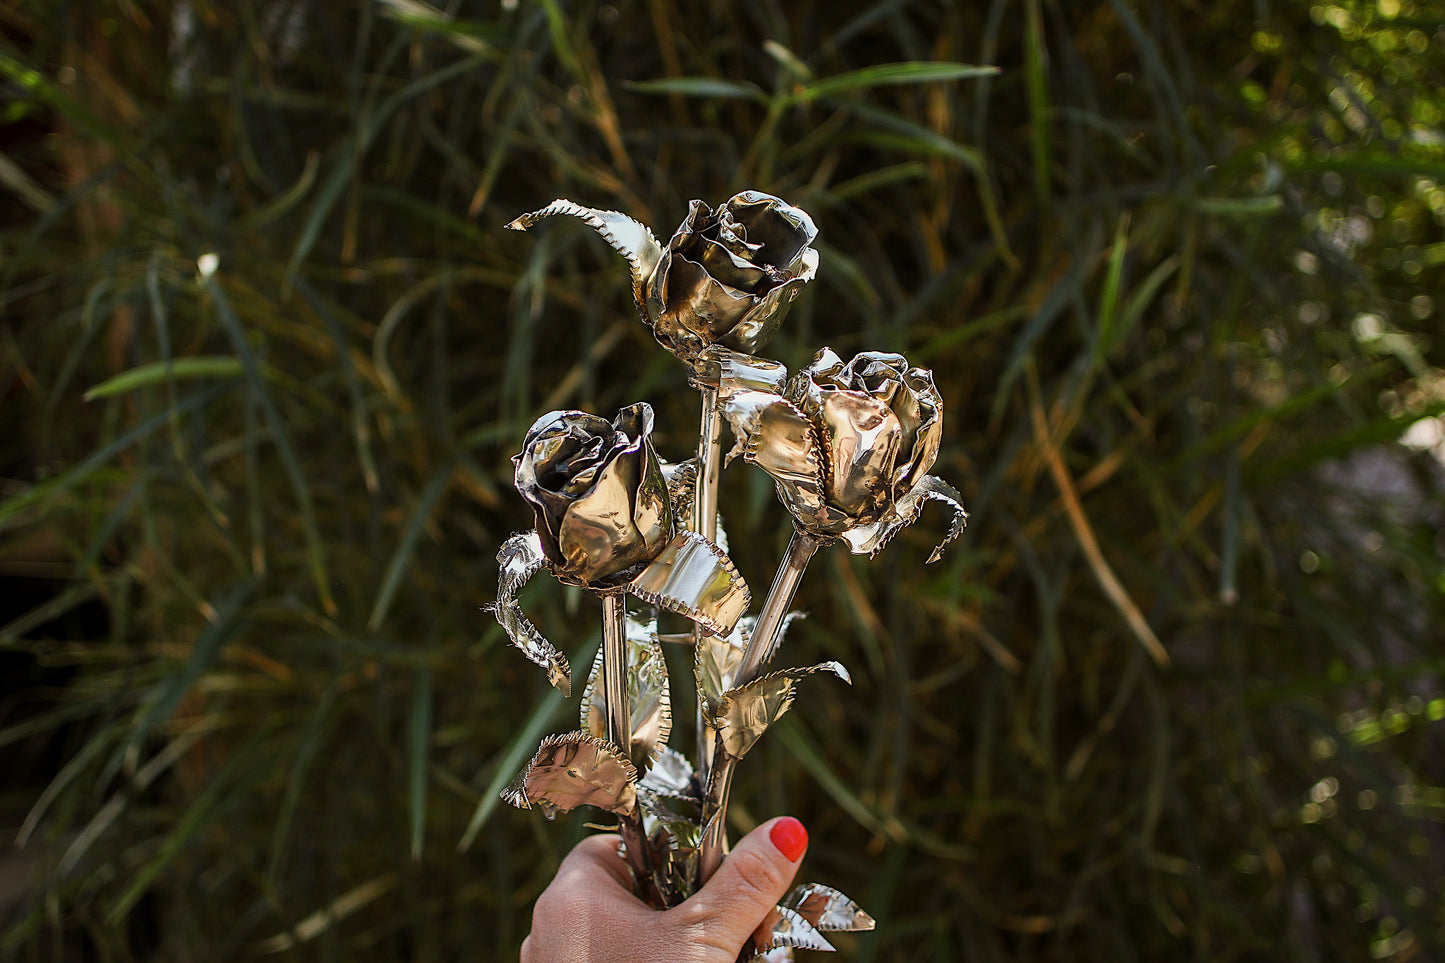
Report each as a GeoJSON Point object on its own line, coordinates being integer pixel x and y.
{"type": "Point", "coordinates": [751, 880]}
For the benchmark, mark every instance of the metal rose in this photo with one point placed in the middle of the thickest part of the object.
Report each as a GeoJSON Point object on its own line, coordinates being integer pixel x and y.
{"type": "Point", "coordinates": [726, 276]}
{"type": "Point", "coordinates": [848, 445]}
{"type": "Point", "coordinates": [597, 491]}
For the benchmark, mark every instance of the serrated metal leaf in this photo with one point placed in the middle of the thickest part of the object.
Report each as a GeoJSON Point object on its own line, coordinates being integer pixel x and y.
{"type": "Point", "coordinates": [694, 578]}
{"type": "Point", "coordinates": [520, 557]}
{"type": "Point", "coordinates": [648, 698]}
{"type": "Point", "coordinates": [627, 236]}
{"type": "Point", "coordinates": [827, 909]}
{"type": "Point", "coordinates": [783, 928]}
{"type": "Point", "coordinates": [576, 769]}
{"type": "Point", "coordinates": [744, 714]}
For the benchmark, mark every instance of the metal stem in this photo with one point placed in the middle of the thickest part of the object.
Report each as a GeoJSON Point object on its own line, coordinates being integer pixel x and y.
{"type": "Point", "coordinates": [761, 645]}
{"type": "Point", "coordinates": [704, 522]}
{"type": "Point", "coordinates": [613, 679]}
{"type": "Point", "coordinates": [614, 672]}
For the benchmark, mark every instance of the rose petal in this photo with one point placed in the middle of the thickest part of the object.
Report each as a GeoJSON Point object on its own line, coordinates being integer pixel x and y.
{"type": "Point", "coordinates": [780, 230]}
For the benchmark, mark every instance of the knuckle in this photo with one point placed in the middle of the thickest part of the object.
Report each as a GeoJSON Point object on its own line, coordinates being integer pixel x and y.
{"type": "Point", "coordinates": [758, 879]}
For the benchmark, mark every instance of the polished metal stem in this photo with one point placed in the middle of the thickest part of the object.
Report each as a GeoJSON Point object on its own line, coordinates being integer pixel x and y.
{"type": "Point", "coordinates": [704, 522]}
{"type": "Point", "coordinates": [613, 679]}
{"type": "Point", "coordinates": [761, 645]}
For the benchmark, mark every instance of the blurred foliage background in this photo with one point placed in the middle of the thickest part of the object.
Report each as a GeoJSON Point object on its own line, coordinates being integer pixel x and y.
{"type": "Point", "coordinates": [265, 352]}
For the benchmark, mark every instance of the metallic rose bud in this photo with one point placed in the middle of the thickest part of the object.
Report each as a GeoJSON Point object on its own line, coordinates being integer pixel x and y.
{"type": "Point", "coordinates": [597, 490]}
{"type": "Point", "coordinates": [728, 276]}
{"type": "Point", "coordinates": [848, 445]}
{"type": "Point", "coordinates": [882, 421]}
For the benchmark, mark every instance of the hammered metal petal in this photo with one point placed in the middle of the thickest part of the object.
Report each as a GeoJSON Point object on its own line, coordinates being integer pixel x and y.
{"type": "Point", "coordinates": [630, 238]}
{"type": "Point", "coordinates": [576, 769]}
{"type": "Point", "coordinates": [520, 558]}
{"type": "Point", "coordinates": [648, 699]}
{"type": "Point", "coordinates": [744, 714]}
{"type": "Point", "coordinates": [692, 577]}
{"type": "Point", "coordinates": [827, 909]}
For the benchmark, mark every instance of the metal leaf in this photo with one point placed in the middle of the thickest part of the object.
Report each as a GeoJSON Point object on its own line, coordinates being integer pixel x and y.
{"type": "Point", "coordinates": [744, 714]}
{"type": "Point", "coordinates": [694, 578]}
{"type": "Point", "coordinates": [783, 928]}
{"type": "Point", "coordinates": [870, 539]}
{"type": "Point", "coordinates": [520, 558]}
{"type": "Point", "coordinates": [575, 769]}
{"type": "Point", "coordinates": [827, 909]}
{"type": "Point", "coordinates": [648, 698]}
{"type": "Point", "coordinates": [715, 659]}
{"type": "Point", "coordinates": [628, 237]}
{"type": "Point", "coordinates": [671, 776]}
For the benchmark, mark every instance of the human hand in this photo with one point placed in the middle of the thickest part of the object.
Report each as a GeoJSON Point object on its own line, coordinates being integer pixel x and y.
{"type": "Point", "coordinates": [588, 913]}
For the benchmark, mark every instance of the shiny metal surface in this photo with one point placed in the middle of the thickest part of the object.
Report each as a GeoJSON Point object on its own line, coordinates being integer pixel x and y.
{"type": "Point", "coordinates": [644, 675]}
{"type": "Point", "coordinates": [827, 909]}
{"type": "Point", "coordinates": [783, 928]}
{"type": "Point", "coordinates": [576, 769]}
{"type": "Point", "coordinates": [726, 276]}
{"type": "Point", "coordinates": [692, 577]}
{"type": "Point", "coordinates": [848, 444]}
{"type": "Point", "coordinates": [520, 558]}
{"type": "Point", "coordinates": [744, 713]}
{"type": "Point", "coordinates": [597, 492]}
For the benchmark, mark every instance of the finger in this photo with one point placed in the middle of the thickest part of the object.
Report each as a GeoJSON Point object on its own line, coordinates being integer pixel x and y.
{"type": "Point", "coordinates": [596, 858]}
{"type": "Point", "coordinates": [755, 875]}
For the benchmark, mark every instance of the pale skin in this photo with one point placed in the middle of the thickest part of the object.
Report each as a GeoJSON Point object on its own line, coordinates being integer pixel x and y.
{"type": "Point", "coordinates": [588, 913]}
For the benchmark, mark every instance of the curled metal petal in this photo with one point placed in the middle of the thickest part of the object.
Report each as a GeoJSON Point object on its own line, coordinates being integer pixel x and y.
{"type": "Point", "coordinates": [630, 238]}
{"type": "Point", "coordinates": [648, 700]}
{"type": "Point", "coordinates": [744, 714]}
{"type": "Point", "coordinates": [728, 275]}
{"type": "Point", "coordinates": [827, 909]}
{"type": "Point", "coordinates": [520, 558]}
{"type": "Point", "coordinates": [693, 577]}
{"type": "Point", "coordinates": [575, 769]}
{"type": "Point", "coordinates": [784, 928]}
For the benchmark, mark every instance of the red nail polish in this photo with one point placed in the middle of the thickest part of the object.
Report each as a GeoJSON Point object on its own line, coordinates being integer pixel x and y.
{"type": "Point", "coordinates": [790, 837]}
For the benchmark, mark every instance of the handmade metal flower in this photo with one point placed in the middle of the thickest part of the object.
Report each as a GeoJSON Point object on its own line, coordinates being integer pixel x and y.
{"type": "Point", "coordinates": [726, 276]}
{"type": "Point", "coordinates": [597, 491]}
{"type": "Point", "coordinates": [605, 522]}
{"type": "Point", "coordinates": [848, 445]}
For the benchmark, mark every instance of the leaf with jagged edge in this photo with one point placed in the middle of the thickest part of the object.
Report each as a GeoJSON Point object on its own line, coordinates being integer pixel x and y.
{"type": "Point", "coordinates": [744, 714]}
{"type": "Point", "coordinates": [671, 776]}
{"type": "Point", "coordinates": [715, 659]}
{"type": "Point", "coordinates": [575, 769]}
{"type": "Point", "coordinates": [520, 557]}
{"type": "Point", "coordinates": [870, 539]}
{"type": "Point", "coordinates": [784, 928]}
{"type": "Point", "coordinates": [627, 236]}
{"type": "Point", "coordinates": [648, 700]}
{"type": "Point", "coordinates": [827, 909]}
{"type": "Point", "coordinates": [692, 577]}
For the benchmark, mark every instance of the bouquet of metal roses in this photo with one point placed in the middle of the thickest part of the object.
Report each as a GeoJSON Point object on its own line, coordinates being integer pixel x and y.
{"type": "Point", "coordinates": [848, 445]}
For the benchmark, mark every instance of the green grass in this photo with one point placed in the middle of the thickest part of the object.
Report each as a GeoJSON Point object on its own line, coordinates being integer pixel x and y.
{"type": "Point", "coordinates": [265, 352]}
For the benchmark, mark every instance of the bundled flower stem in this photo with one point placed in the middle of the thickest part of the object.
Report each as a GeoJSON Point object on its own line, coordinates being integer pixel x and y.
{"type": "Point", "coordinates": [848, 446]}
